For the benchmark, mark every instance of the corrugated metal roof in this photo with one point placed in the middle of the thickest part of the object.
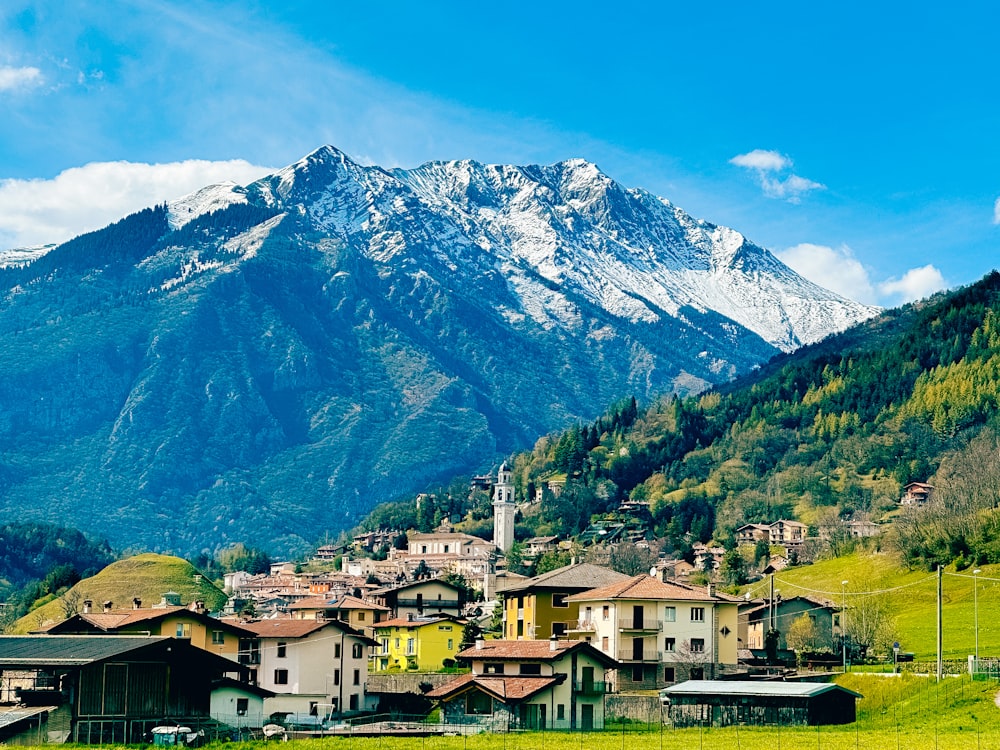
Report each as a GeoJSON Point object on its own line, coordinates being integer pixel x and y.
{"type": "Point", "coordinates": [9, 716]}
{"type": "Point", "coordinates": [752, 687]}
{"type": "Point", "coordinates": [68, 650]}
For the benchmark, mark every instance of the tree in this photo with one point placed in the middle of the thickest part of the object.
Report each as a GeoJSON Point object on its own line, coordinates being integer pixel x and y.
{"type": "Point", "coordinates": [771, 639]}
{"type": "Point", "coordinates": [733, 568]}
{"type": "Point", "coordinates": [631, 560]}
{"type": "Point", "coordinates": [802, 635]}
{"type": "Point", "coordinates": [870, 622]}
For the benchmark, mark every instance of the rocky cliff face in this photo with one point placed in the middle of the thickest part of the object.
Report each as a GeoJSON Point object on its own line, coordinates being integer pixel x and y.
{"type": "Point", "coordinates": [265, 363]}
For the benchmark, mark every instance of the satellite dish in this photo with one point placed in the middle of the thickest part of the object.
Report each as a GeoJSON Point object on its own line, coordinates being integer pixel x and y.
{"type": "Point", "coordinates": [652, 572]}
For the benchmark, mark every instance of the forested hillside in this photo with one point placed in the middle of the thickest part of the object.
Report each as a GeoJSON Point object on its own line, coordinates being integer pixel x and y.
{"type": "Point", "coordinates": [830, 432]}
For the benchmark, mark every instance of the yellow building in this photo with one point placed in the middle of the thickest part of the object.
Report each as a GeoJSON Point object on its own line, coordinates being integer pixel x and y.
{"type": "Point", "coordinates": [536, 609]}
{"type": "Point", "coordinates": [419, 644]}
{"type": "Point", "coordinates": [220, 637]}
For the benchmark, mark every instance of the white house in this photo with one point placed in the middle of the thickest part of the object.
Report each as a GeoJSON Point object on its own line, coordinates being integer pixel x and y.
{"type": "Point", "coordinates": [659, 632]}
{"type": "Point", "coordinates": [317, 667]}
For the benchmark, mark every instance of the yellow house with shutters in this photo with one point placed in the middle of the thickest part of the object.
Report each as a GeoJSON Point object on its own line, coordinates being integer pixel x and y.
{"type": "Point", "coordinates": [418, 644]}
{"type": "Point", "coordinates": [537, 608]}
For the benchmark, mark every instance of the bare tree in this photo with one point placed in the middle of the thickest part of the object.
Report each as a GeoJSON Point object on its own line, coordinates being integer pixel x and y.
{"type": "Point", "coordinates": [70, 603]}
{"type": "Point", "coordinates": [870, 622]}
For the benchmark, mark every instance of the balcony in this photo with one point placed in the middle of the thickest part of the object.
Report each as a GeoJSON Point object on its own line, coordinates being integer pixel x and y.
{"type": "Point", "coordinates": [249, 660]}
{"type": "Point", "coordinates": [431, 604]}
{"type": "Point", "coordinates": [634, 655]}
{"type": "Point", "coordinates": [589, 687]}
{"type": "Point", "coordinates": [640, 626]}
{"type": "Point", "coordinates": [581, 626]}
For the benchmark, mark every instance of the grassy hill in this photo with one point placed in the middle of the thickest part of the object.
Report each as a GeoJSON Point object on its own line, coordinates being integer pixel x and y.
{"type": "Point", "coordinates": [912, 595]}
{"type": "Point", "coordinates": [147, 576]}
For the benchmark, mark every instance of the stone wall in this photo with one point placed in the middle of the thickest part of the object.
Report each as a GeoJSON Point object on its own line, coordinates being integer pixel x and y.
{"type": "Point", "coordinates": [406, 682]}
{"type": "Point", "coordinates": [634, 708]}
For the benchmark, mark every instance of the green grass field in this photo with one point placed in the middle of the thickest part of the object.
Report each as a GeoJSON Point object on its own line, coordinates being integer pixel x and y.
{"type": "Point", "coordinates": [914, 604]}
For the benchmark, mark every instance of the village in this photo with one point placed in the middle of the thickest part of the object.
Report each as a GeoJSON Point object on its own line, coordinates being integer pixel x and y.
{"type": "Point", "coordinates": [439, 625]}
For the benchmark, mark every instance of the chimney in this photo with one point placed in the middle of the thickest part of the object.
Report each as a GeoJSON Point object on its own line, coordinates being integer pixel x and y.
{"type": "Point", "coordinates": [480, 644]}
{"type": "Point", "coordinates": [553, 643]}
{"type": "Point", "coordinates": [409, 616]}
{"type": "Point", "coordinates": [199, 606]}
{"type": "Point", "coordinates": [136, 603]}
{"type": "Point", "coordinates": [88, 606]}
{"type": "Point", "coordinates": [107, 606]}
{"type": "Point", "coordinates": [711, 589]}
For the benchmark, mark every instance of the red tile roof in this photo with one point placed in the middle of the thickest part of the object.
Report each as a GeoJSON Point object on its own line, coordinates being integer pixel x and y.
{"type": "Point", "coordinates": [504, 689]}
{"type": "Point", "coordinates": [644, 587]}
{"type": "Point", "coordinates": [530, 651]}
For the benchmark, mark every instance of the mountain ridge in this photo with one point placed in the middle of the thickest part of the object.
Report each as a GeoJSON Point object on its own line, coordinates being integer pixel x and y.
{"type": "Point", "coordinates": [266, 362]}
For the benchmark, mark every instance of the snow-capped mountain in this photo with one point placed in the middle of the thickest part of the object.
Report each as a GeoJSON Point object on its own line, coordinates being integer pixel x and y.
{"type": "Point", "coordinates": [265, 362]}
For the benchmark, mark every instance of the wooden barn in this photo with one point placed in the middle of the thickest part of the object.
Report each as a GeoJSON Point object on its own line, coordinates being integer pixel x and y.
{"type": "Point", "coordinates": [101, 689]}
{"type": "Point", "coordinates": [722, 703]}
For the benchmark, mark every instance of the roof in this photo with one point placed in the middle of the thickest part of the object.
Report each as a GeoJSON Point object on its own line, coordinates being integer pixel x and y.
{"type": "Point", "coordinates": [69, 650]}
{"type": "Point", "coordinates": [9, 716]}
{"type": "Point", "coordinates": [580, 576]}
{"type": "Point", "coordinates": [448, 536]}
{"type": "Point", "coordinates": [644, 587]}
{"type": "Point", "coordinates": [344, 602]}
{"type": "Point", "coordinates": [423, 582]}
{"type": "Point", "coordinates": [502, 650]}
{"type": "Point", "coordinates": [245, 687]}
{"type": "Point", "coordinates": [758, 688]}
{"type": "Point", "coordinates": [503, 688]}
{"type": "Point", "coordinates": [416, 622]}
{"type": "Point", "coordinates": [284, 628]}
{"type": "Point", "coordinates": [125, 618]}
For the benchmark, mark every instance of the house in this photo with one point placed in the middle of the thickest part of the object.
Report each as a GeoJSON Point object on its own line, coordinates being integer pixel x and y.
{"type": "Point", "coordinates": [316, 667]}
{"type": "Point", "coordinates": [537, 608]}
{"type": "Point", "coordinates": [707, 559]}
{"type": "Point", "coordinates": [916, 494]}
{"type": "Point", "coordinates": [447, 551]}
{"type": "Point", "coordinates": [752, 533]}
{"type": "Point", "coordinates": [238, 704]}
{"type": "Point", "coordinates": [359, 614]}
{"type": "Point", "coordinates": [658, 632]}
{"type": "Point", "coordinates": [193, 623]}
{"type": "Point", "coordinates": [420, 644]}
{"type": "Point", "coordinates": [419, 598]}
{"type": "Point", "coordinates": [757, 616]}
{"type": "Point", "coordinates": [724, 703]}
{"type": "Point", "coordinates": [528, 685]}
{"type": "Point", "coordinates": [862, 529]}
{"type": "Point", "coordinates": [108, 689]}
{"type": "Point", "coordinates": [784, 531]}
{"type": "Point", "coordinates": [539, 545]}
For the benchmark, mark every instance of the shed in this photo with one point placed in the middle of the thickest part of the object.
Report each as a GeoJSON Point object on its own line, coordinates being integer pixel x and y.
{"type": "Point", "coordinates": [722, 703]}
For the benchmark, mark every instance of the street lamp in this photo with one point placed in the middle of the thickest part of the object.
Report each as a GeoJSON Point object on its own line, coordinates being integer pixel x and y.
{"type": "Point", "coordinates": [975, 609]}
{"type": "Point", "coordinates": [843, 620]}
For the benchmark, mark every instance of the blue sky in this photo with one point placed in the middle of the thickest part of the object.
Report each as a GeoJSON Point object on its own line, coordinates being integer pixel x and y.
{"type": "Point", "coordinates": [857, 141]}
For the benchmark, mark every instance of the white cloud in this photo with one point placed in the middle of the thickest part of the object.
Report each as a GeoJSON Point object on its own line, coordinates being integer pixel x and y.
{"type": "Point", "coordinates": [916, 283]}
{"type": "Point", "coordinates": [838, 270]}
{"type": "Point", "coordinates": [996, 212]}
{"type": "Point", "coordinates": [834, 269]}
{"type": "Point", "coordinates": [767, 165]}
{"type": "Point", "coordinates": [762, 160]}
{"type": "Point", "coordinates": [35, 212]}
{"type": "Point", "coordinates": [12, 79]}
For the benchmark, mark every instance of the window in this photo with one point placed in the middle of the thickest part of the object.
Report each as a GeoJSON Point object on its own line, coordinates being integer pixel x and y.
{"type": "Point", "coordinates": [697, 645]}
{"type": "Point", "coordinates": [411, 646]}
{"type": "Point", "coordinates": [637, 675]}
{"type": "Point", "coordinates": [242, 706]}
{"type": "Point", "coordinates": [493, 668]}
{"type": "Point", "coordinates": [396, 646]}
{"type": "Point", "coordinates": [361, 616]}
{"type": "Point", "coordinates": [560, 712]}
{"type": "Point", "coordinates": [451, 644]}
{"type": "Point", "coordinates": [218, 638]}
{"type": "Point", "coordinates": [282, 650]}
{"type": "Point", "coordinates": [604, 644]}
{"type": "Point", "coordinates": [336, 651]}
{"type": "Point", "coordinates": [558, 628]}
{"type": "Point", "coordinates": [477, 703]}
{"type": "Point", "coordinates": [423, 549]}
{"type": "Point", "coordinates": [531, 669]}
{"type": "Point", "coordinates": [313, 708]}
{"type": "Point", "coordinates": [357, 650]}
{"type": "Point", "coordinates": [605, 611]}
{"type": "Point", "coordinates": [669, 644]}
{"type": "Point", "coordinates": [559, 600]}
{"type": "Point", "coordinates": [336, 677]}
{"type": "Point", "coordinates": [697, 614]}
{"type": "Point", "coordinates": [669, 675]}
{"type": "Point", "coordinates": [385, 645]}
{"type": "Point", "coordinates": [183, 630]}
{"type": "Point", "coordinates": [670, 614]}
{"type": "Point", "coordinates": [354, 702]}
{"type": "Point", "coordinates": [446, 549]}
{"type": "Point", "coordinates": [357, 676]}
{"type": "Point", "coordinates": [281, 677]}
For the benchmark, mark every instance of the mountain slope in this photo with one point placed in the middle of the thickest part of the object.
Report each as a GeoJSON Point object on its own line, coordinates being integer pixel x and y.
{"type": "Point", "coordinates": [266, 362]}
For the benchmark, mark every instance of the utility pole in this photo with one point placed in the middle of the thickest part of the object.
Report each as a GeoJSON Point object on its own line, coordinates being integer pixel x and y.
{"type": "Point", "coordinates": [940, 663]}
